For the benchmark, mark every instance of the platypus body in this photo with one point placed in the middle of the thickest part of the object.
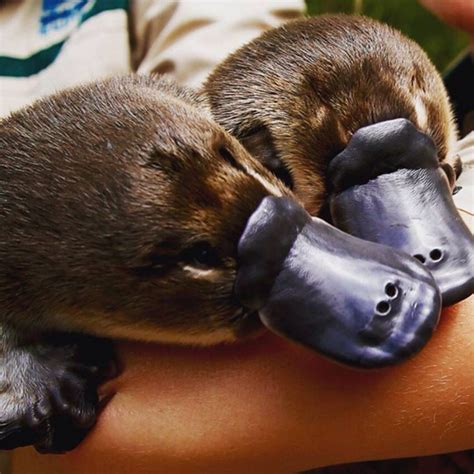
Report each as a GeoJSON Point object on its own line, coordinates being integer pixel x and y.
{"type": "Point", "coordinates": [126, 211]}
{"type": "Point", "coordinates": [121, 204]}
{"type": "Point", "coordinates": [109, 186]}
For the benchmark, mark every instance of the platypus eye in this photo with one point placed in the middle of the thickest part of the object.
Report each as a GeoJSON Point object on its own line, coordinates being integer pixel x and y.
{"type": "Point", "coordinates": [229, 157]}
{"type": "Point", "coordinates": [281, 171]}
{"type": "Point", "coordinates": [202, 254]}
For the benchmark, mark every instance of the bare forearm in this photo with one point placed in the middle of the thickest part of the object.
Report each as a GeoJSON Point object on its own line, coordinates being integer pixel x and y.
{"type": "Point", "coordinates": [277, 408]}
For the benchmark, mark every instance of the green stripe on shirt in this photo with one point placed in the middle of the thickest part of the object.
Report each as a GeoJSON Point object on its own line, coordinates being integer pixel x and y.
{"type": "Point", "coordinates": [25, 67]}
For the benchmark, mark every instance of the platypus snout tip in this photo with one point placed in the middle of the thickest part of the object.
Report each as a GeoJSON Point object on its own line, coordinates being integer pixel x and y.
{"type": "Point", "coordinates": [428, 228]}
{"type": "Point", "coordinates": [356, 302]}
{"type": "Point", "coordinates": [449, 258]}
{"type": "Point", "coordinates": [456, 284]}
{"type": "Point", "coordinates": [395, 192]}
{"type": "Point", "coordinates": [408, 335]}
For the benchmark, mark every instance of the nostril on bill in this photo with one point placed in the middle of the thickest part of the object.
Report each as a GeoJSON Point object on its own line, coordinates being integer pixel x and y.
{"type": "Point", "coordinates": [436, 255]}
{"type": "Point", "coordinates": [383, 308]}
{"type": "Point", "coordinates": [391, 290]}
{"type": "Point", "coordinates": [420, 258]}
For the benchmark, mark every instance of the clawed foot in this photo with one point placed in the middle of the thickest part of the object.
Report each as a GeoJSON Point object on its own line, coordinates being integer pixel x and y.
{"type": "Point", "coordinates": [48, 391]}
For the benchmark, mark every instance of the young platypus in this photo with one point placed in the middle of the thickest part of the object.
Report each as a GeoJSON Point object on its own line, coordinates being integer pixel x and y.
{"type": "Point", "coordinates": [355, 119]}
{"type": "Point", "coordinates": [127, 212]}
{"type": "Point", "coordinates": [121, 204]}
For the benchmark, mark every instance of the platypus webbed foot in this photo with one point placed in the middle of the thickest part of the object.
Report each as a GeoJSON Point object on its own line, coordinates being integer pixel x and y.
{"type": "Point", "coordinates": [362, 304]}
{"type": "Point", "coordinates": [48, 395]}
{"type": "Point", "coordinates": [389, 188]}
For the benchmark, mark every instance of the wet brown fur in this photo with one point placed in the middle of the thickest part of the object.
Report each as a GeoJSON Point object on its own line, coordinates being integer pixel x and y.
{"type": "Point", "coordinates": [105, 190]}
{"type": "Point", "coordinates": [298, 93]}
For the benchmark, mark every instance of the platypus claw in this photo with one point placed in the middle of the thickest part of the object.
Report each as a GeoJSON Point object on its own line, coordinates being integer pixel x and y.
{"type": "Point", "coordinates": [50, 398]}
{"type": "Point", "coordinates": [362, 304]}
{"type": "Point", "coordinates": [390, 189]}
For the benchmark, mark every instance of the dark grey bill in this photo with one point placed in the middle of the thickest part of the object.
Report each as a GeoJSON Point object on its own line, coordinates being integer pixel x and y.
{"type": "Point", "coordinates": [390, 189]}
{"type": "Point", "coordinates": [356, 302]}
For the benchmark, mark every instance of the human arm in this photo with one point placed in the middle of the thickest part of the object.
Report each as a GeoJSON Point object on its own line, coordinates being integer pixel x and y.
{"type": "Point", "coordinates": [270, 406]}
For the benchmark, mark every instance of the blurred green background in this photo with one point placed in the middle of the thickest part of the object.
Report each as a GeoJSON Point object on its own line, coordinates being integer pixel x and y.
{"type": "Point", "coordinates": [442, 43]}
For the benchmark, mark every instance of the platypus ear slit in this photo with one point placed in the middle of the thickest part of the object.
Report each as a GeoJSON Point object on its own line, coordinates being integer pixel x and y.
{"type": "Point", "coordinates": [154, 259]}
{"type": "Point", "coordinates": [259, 142]}
{"type": "Point", "coordinates": [163, 160]}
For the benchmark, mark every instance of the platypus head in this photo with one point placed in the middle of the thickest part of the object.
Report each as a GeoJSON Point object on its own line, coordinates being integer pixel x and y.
{"type": "Point", "coordinates": [135, 200]}
{"type": "Point", "coordinates": [194, 189]}
{"type": "Point", "coordinates": [314, 82]}
{"type": "Point", "coordinates": [343, 98]}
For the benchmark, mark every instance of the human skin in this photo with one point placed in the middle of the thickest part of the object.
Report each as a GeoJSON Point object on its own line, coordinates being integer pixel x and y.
{"type": "Point", "coordinates": [272, 406]}
{"type": "Point", "coordinates": [457, 13]}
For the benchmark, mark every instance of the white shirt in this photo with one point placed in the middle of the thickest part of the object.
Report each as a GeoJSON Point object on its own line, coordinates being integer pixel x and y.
{"type": "Point", "coordinates": [48, 45]}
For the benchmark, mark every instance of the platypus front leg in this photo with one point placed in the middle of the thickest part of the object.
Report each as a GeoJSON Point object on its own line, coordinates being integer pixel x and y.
{"type": "Point", "coordinates": [48, 388]}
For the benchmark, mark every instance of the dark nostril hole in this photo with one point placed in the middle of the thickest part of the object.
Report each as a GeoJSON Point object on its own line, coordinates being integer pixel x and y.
{"type": "Point", "coordinates": [391, 290]}
{"type": "Point", "coordinates": [436, 255]}
{"type": "Point", "coordinates": [420, 258]}
{"type": "Point", "coordinates": [383, 308]}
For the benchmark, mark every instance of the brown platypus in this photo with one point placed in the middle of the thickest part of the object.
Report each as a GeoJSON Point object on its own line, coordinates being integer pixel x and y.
{"type": "Point", "coordinates": [354, 117]}
{"type": "Point", "coordinates": [127, 212]}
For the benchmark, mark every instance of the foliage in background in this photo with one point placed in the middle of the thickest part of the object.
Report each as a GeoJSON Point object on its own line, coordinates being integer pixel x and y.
{"type": "Point", "coordinates": [441, 42]}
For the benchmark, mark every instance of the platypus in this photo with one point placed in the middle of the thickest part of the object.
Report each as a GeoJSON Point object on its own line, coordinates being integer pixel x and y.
{"type": "Point", "coordinates": [354, 117]}
{"type": "Point", "coordinates": [126, 211]}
